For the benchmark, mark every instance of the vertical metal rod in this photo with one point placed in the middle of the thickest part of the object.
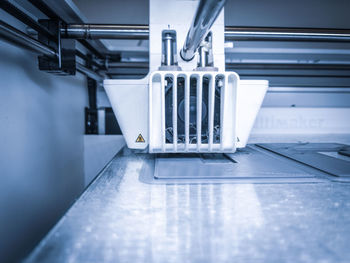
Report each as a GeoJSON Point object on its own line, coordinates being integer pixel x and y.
{"type": "Point", "coordinates": [202, 57]}
{"type": "Point", "coordinates": [206, 14]}
{"type": "Point", "coordinates": [169, 54]}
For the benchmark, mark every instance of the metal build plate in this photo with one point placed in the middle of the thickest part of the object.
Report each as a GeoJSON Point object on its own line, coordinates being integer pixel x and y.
{"type": "Point", "coordinates": [245, 165]}
{"type": "Point", "coordinates": [120, 219]}
{"type": "Point", "coordinates": [322, 156]}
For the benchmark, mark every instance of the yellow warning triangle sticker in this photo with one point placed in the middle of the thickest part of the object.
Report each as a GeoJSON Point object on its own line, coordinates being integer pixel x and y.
{"type": "Point", "coordinates": [140, 138]}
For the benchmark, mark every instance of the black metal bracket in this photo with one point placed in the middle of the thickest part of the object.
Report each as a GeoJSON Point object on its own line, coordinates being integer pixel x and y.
{"type": "Point", "coordinates": [91, 113]}
{"type": "Point", "coordinates": [64, 63]}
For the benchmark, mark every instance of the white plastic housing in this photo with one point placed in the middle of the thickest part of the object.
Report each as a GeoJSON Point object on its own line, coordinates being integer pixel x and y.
{"type": "Point", "coordinates": [139, 107]}
{"type": "Point", "coordinates": [136, 115]}
{"type": "Point", "coordinates": [250, 96]}
{"type": "Point", "coordinates": [129, 100]}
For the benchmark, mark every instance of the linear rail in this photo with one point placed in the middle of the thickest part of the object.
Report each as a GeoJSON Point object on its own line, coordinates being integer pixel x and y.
{"type": "Point", "coordinates": [108, 31]}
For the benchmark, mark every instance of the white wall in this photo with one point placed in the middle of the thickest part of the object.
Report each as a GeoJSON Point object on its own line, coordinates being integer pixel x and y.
{"type": "Point", "coordinates": [41, 148]}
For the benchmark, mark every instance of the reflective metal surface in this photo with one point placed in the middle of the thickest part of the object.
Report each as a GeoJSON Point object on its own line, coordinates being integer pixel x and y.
{"type": "Point", "coordinates": [317, 155]}
{"type": "Point", "coordinates": [11, 34]}
{"type": "Point", "coordinates": [120, 219]}
{"type": "Point", "coordinates": [106, 31]}
{"type": "Point", "coordinates": [287, 34]}
{"type": "Point", "coordinates": [87, 31]}
{"type": "Point", "coordinates": [206, 14]}
{"type": "Point", "coordinates": [246, 165]}
{"type": "Point", "coordinates": [88, 72]}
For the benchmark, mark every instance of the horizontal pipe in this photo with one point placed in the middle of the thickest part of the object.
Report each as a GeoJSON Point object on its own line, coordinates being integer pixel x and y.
{"type": "Point", "coordinates": [286, 34]}
{"type": "Point", "coordinates": [26, 19]}
{"type": "Point", "coordinates": [51, 14]}
{"type": "Point", "coordinates": [86, 31]}
{"type": "Point", "coordinates": [17, 37]}
{"type": "Point", "coordinates": [99, 31]}
{"type": "Point", "coordinates": [88, 72]}
{"type": "Point", "coordinates": [288, 66]}
{"type": "Point", "coordinates": [252, 65]}
{"type": "Point", "coordinates": [13, 35]}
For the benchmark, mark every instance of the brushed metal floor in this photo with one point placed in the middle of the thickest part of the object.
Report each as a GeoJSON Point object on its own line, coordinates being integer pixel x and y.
{"type": "Point", "coordinates": [121, 219]}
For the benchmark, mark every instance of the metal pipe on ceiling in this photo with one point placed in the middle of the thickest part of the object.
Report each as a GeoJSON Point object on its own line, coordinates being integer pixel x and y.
{"type": "Point", "coordinates": [206, 14]}
{"type": "Point", "coordinates": [13, 35]}
{"type": "Point", "coordinates": [100, 31]}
